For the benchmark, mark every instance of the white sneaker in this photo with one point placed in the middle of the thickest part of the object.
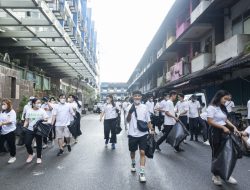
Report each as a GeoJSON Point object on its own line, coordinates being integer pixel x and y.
{"type": "Point", "coordinates": [39, 161]}
{"type": "Point", "coordinates": [217, 180]}
{"type": "Point", "coordinates": [45, 146]}
{"type": "Point", "coordinates": [142, 178]}
{"type": "Point", "coordinates": [133, 169]}
{"type": "Point", "coordinates": [206, 143]}
{"type": "Point", "coordinates": [185, 141]}
{"type": "Point", "coordinates": [232, 180]}
{"type": "Point", "coordinates": [30, 158]}
{"type": "Point", "coordinates": [12, 160]}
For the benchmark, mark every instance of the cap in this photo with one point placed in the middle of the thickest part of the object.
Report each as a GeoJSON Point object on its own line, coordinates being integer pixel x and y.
{"type": "Point", "coordinates": [31, 97]}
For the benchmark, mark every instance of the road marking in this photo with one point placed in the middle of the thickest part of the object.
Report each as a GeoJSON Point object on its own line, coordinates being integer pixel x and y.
{"type": "Point", "coordinates": [38, 173]}
{"type": "Point", "coordinates": [60, 167]}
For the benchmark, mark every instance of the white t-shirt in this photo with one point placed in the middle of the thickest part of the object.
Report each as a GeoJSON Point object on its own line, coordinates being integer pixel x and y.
{"type": "Point", "coordinates": [63, 113]}
{"type": "Point", "coordinates": [229, 105]}
{"type": "Point", "coordinates": [74, 106]}
{"type": "Point", "coordinates": [194, 107]}
{"type": "Point", "coordinates": [125, 105]}
{"type": "Point", "coordinates": [25, 110]}
{"type": "Point", "coordinates": [8, 117]}
{"type": "Point", "coordinates": [248, 108]}
{"type": "Point", "coordinates": [247, 130]}
{"type": "Point", "coordinates": [169, 108]}
{"type": "Point", "coordinates": [204, 115]}
{"type": "Point", "coordinates": [218, 116]}
{"type": "Point", "coordinates": [143, 115]}
{"type": "Point", "coordinates": [182, 107]}
{"type": "Point", "coordinates": [163, 105]}
{"type": "Point", "coordinates": [35, 115]}
{"type": "Point", "coordinates": [109, 111]}
{"type": "Point", "coordinates": [48, 111]}
{"type": "Point", "coordinates": [79, 110]}
{"type": "Point", "coordinates": [157, 106]}
{"type": "Point", "coordinates": [150, 106]}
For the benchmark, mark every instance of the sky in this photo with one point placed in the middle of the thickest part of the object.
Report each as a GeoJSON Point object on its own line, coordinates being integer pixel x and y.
{"type": "Point", "coordinates": [124, 30]}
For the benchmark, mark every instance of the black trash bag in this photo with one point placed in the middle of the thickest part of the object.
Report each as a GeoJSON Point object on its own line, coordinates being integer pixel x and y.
{"type": "Point", "coordinates": [42, 129]}
{"type": "Point", "coordinates": [151, 145]}
{"type": "Point", "coordinates": [118, 128]}
{"type": "Point", "coordinates": [73, 128]}
{"type": "Point", "coordinates": [177, 134]}
{"type": "Point", "coordinates": [239, 145]}
{"type": "Point", "coordinates": [226, 160]}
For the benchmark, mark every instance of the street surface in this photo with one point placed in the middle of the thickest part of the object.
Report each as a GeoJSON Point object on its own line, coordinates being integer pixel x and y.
{"type": "Point", "coordinates": [91, 166]}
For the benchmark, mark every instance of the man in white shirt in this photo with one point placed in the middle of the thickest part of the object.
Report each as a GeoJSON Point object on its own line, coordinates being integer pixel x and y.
{"type": "Point", "coordinates": [76, 106]}
{"type": "Point", "coordinates": [181, 108]}
{"type": "Point", "coordinates": [169, 120]}
{"type": "Point", "coordinates": [162, 106]}
{"type": "Point", "coordinates": [248, 112]}
{"type": "Point", "coordinates": [125, 106]}
{"type": "Point", "coordinates": [194, 113]}
{"type": "Point", "coordinates": [27, 107]}
{"type": "Point", "coordinates": [150, 105]}
{"type": "Point", "coordinates": [61, 117]}
{"type": "Point", "coordinates": [229, 104]}
{"type": "Point", "coordinates": [136, 137]}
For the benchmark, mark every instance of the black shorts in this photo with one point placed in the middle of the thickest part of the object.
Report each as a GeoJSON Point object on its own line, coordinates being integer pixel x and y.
{"type": "Point", "coordinates": [134, 142]}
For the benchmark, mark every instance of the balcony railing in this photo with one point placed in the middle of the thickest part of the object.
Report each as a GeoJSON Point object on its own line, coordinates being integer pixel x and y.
{"type": "Point", "coordinates": [201, 61]}
{"type": "Point", "coordinates": [170, 41]}
{"type": "Point", "coordinates": [182, 28]}
{"type": "Point", "coordinates": [199, 10]}
{"type": "Point", "coordinates": [231, 47]}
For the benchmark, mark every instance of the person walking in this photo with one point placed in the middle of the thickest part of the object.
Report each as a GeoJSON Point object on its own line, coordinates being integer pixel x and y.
{"type": "Point", "coordinates": [181, 109]}
{"type": "Point", "coordinates": [61, 119]}
{"type": "Point", "coordinates": [109, 112]}
{"type": "Point", "coordinates": [217, 117]}
{"type": "Point", "coordinates": [136, 138]}
{"type": "Point", "coordinates": [76, 106]}
{"type": "Point", "coordinates": [35, 114]}
{"type": "Point", "coordinates": [193, 114]}
{"type": "Point", "coordinates": [125, 106]}
{"type": "Point", "coordinates": [8, 127]}
{"type": "Point", "coordinates": [157, 114]}
{"type": "Point", "coordinates": [169, 120]}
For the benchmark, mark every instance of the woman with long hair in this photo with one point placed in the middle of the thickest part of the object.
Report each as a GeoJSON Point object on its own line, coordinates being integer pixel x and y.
{"type": "Point", "coordinates": [8, 127]}
{"type": "Point", "coordinates": [33, 115]}
{"type": "Point", "coordinates": [109, 112]}
{"type": "Point", "coordinates": [217, 117]}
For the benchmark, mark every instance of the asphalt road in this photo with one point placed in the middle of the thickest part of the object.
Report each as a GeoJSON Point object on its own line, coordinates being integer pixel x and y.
{"type": "Point", "coordinates": [91, 166]}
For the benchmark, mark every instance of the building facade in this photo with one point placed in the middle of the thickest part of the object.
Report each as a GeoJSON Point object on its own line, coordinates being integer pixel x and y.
{"type": "Point", "coordinates": [42, 43]}
{"type": "Point", "coordinates": [118, 90]}
{"type": "Point", "coordinates": [202, 45]}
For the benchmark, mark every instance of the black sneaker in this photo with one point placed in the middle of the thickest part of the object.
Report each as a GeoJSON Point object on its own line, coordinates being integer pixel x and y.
{"type": "Point", "coordinates": [60, 152]}
{"type": "Point", "coordinates": [69, 148]}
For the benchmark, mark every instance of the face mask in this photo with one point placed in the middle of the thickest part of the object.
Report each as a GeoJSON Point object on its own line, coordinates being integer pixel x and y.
{"type": "Point", "coordinates": [137, 102]}
{"type": "Point", "coordinates": [37, 105]}
{"type": "Point", "coordinates": [151, 100]}
{"type": "Point", "coordinates": [108, 101]}
{"type": "Point", "coordinates": [4, 107]}
{"type": "Point", "coordinates": [62, 101]}
{"type": "Point", "coordinates": [69, 99]}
